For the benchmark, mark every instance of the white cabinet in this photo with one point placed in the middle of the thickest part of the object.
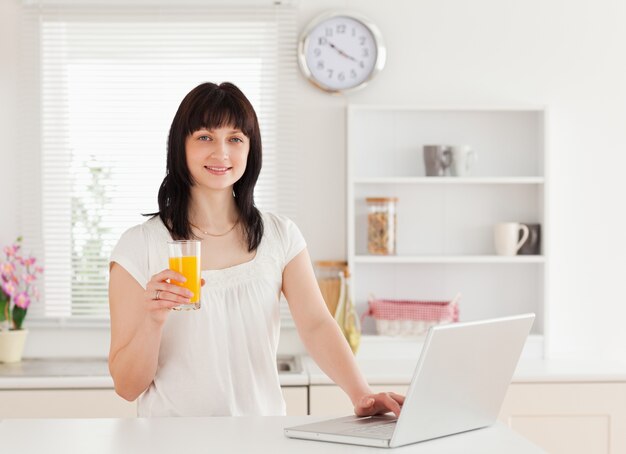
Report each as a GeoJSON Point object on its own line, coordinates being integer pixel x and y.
{"type": "Point", "coordinates": [330, 400]}
{"type": "Point", "coordinates": [569, 418]}
{"type": "Point", "coordinates": [64, 403]}
{"type": "Point", "coordinates": [445, 224]}
{"type": "Point", "coordinates": [296, 399]}
{"type": "Point", "coordinates": [562, 418]}
{"type": "Point", "coordinates": [100, 403]}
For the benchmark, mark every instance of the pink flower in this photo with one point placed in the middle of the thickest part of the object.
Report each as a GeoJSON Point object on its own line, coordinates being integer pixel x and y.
{"type": "Point", "coordinates": [7, 268]}
{"type": "Point", "coordinates": [10, 251]}
{"type": "Point", "coordinates": [22, 300]}
{"type": "Point", "coordinates": [9, 288]}
{"type": "Point", "coordinates": [17, 276]}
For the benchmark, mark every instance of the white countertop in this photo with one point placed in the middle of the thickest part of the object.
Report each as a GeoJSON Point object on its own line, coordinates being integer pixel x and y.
{"type": "Point", "coordinates": [400, 371]}
{"type": "Point", "coordinates": [383, 361]}
{"type": "Point", "coordinates": [223, 435]}
{"type": "Point", "coordinates": [93, 373]}
{"type": "Point", "coordinates": [65, 373]}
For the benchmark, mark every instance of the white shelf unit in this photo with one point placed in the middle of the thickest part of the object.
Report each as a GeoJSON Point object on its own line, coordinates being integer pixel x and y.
{"type": "Point", "coordinates": [394, 259]}
{"type": "Point", "coordinates": [445, 224]}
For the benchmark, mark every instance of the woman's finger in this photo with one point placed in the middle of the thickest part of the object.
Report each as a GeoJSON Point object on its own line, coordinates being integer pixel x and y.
{"type": "Point", "coordinates": [166, 304]}
{"type": "Point", "coordinates": [202, 282]}
{"type": "Point", "coordinates": [174, 298]}
{"type": "Point", "coordinates": [158, 291]}
{"type": "Point", "coordinates": [168, 274]}
{"type": "Point", "coordinates": [367, 402]}
{"type": "Point", "coordinates": [175, 289]}
{"type": "Point", "coordinates": [397, 397]}
{"type": "Point", "coordinates": [390, 404]}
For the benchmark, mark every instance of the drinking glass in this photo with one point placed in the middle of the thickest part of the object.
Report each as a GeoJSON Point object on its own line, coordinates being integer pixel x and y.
{"type": "Point", "coordinates": [184, 258]}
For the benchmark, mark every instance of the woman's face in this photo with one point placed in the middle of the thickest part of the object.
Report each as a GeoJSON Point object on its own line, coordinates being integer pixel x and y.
{"type": "Point", "coordinates": [217, 158]}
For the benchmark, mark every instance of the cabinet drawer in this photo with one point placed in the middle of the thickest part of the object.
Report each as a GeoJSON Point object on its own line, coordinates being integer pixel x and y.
{"type": "Point", "coordinates": [296, 399]}
{"type": "Point", "coordinates": [65, 403]}
{"type": "Point", "coordinates": [569, 418]}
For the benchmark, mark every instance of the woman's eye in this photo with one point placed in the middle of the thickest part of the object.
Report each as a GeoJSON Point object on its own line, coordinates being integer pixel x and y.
{"type": "Point", "coordinates": [204, 138]}
{"type": "Point", "coordinates": [237, 139]}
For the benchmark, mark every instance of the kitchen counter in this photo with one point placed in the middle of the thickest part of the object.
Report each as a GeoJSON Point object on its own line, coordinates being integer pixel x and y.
{"type": "Point", "coordinates": [383, 360]}
{"type": "Point", "coordinates": [221, 434]}
{"type": "Point", "coordinates": [92, 373]}
{"type": "Point", "coordinates": [400, 371]}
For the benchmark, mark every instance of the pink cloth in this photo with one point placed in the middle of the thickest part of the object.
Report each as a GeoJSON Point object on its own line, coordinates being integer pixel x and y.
{"type": "Point", "coordinates": [436, 311]}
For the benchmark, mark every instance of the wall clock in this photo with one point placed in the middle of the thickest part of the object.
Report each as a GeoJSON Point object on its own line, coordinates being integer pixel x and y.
{"type": "Point", "coordinates": [341, 51]}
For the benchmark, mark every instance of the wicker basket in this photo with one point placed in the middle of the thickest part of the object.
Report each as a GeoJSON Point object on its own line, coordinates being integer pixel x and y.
{"type": "Point", "coordinates": [411, 317]}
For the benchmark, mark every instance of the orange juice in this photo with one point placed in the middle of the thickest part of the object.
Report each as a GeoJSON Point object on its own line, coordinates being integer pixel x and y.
{"type": "Point", "coordinates": [188, 266]}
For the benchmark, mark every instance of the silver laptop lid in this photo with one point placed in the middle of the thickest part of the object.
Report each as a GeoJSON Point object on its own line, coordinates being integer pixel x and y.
{"type": "Point", "coordinates": [461, 377]}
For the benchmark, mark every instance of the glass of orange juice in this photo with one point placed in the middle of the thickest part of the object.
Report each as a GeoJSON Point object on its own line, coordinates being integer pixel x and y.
{"type": "Point", "coordinates": [184, 258]}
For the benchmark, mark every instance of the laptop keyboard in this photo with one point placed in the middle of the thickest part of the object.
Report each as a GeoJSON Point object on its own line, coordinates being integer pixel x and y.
{"type": "Point", "coordinates": [375, 429]}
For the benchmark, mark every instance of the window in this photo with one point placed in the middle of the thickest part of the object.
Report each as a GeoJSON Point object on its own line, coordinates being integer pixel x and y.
{"type": "Point", "coordinates": [100, 87]}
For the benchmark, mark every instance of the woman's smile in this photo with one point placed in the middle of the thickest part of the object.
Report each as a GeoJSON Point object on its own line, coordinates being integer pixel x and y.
{"type": "Point", "coordinates": [217, 170]}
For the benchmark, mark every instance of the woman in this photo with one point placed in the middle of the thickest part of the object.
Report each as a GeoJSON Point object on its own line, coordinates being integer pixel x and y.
{"type": "Point", "coordinates": [221, 359]}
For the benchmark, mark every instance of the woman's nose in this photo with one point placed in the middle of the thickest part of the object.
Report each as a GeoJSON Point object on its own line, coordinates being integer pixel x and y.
{"type": "Point", "coordinates": [221, 150]}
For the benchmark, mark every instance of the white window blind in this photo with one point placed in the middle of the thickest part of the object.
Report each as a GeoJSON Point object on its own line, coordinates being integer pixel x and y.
{"type": "Point", "coordinates": [100, 86]}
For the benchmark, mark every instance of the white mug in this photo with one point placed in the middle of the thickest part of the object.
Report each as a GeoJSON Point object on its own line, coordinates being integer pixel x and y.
{"type": "Point", "coordinates": [463, 158]}
{"type": "Point", "coordinates": [506, 237]}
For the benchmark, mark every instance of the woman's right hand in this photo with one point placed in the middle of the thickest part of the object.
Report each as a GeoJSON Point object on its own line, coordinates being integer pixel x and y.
{"type": "Point", "coordinates": [161, 296]}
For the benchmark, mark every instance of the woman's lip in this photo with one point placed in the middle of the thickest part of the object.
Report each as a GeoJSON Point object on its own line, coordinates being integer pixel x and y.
{"type": "Point", "coordinates": [217, 170]}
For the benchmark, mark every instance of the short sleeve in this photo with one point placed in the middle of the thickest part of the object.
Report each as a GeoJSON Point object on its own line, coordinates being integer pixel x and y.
{"type": "Point", "coordinates": [290, 237]}
{"type": "Point", "coordinates": [295, 241]}
{"type": "Point", "coordinates": [132, 254]}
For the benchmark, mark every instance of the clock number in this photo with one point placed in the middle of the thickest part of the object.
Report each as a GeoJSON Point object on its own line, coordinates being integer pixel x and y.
{"type": "Point", "coordinates": [353, 31]}
{"type": "Point", "coordinates": [353, 73]}
{"type": "Point", "coordinates": [341, 76]}
{"type": "Point", "coordinates": [362, 40]}
{"type": "Point", "coordinates": [317, 51]}
{"type": "Point", "coordinates": [341, 28]}
{"type": "Point", "coordinates": [320, 64]}
{"type": "Point", "coordinates": [361, 64]}
{"type": "Point", "coordinates": [366, 52]}
{"type": "Point", "coordinates": [330, 73]}
{"type": "Point", "coordinates": [321, 41]}
{"type": "Point", "coordinates": [329, 32]}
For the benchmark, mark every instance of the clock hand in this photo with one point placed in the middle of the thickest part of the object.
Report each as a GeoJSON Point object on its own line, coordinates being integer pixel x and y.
{"type": "Point", "coordinates": [342, 53]}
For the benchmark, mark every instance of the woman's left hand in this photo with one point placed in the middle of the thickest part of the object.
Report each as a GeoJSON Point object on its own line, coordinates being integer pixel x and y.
{"type": "Point", "coordinates": [378, 404]}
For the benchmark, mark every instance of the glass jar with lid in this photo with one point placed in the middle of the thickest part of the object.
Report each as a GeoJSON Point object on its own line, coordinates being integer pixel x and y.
{"type": "Point", "coordinates": [381, 225]}
{"type": "Point", "coordinates": [328, 274]}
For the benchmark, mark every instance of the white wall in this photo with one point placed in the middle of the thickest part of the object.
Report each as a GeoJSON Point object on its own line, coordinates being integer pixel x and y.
{"type": "Point", "coordinates": [9, 145]}
{"type": "Point", "coordinates": [566, 55]}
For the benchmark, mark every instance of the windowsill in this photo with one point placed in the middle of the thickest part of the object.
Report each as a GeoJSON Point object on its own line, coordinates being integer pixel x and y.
{"type": "Point", "coordinates": [34, 325]}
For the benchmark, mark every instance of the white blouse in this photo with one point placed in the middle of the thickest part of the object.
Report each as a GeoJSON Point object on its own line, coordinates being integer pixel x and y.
{"type": "Point", "coordinates": [219, 360]}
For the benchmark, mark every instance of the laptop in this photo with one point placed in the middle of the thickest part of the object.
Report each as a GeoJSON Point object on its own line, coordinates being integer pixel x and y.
{"type": "Point", "coordinates": [458, 385]}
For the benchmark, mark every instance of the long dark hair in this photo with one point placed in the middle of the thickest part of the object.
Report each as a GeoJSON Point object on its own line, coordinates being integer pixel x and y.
{"type": "Point", "coordinates": [210, 106]}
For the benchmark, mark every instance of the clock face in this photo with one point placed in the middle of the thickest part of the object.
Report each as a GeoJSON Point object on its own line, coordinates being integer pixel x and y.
{"type": "Point", "coordinates": [340, 53]}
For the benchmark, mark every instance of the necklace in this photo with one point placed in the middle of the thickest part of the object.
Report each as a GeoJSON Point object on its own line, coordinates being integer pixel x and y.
{"type": "Point", "coordinates": [213, 234]}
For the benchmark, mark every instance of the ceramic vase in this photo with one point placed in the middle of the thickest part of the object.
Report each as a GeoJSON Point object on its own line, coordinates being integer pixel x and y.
{"type": "Point", "coordinates": [12, 345]}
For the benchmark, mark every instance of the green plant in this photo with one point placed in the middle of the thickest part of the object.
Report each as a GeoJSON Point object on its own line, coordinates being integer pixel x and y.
{"type": "Point", "coordinates": [90, 255]}
{"type": "Point", "coordinates": [18, 274]}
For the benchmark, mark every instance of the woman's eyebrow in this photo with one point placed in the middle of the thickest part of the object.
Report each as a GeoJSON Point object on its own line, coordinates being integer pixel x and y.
{"type": "Point", "coordinates": [232, 131]}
